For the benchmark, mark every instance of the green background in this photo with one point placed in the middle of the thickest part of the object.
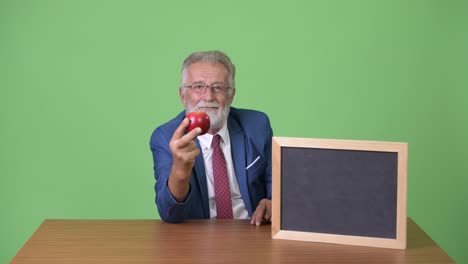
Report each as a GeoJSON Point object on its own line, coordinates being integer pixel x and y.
{"type": "Point", "coordinates": [84, 83]}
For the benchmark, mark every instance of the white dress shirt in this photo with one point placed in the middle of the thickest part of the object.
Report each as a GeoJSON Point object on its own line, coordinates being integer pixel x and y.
{"type": "Point", "coordinates": [238, 206]}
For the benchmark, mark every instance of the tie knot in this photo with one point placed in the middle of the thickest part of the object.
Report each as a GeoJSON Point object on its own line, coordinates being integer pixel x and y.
{"type": "Point", "coordinates": [216, 141]}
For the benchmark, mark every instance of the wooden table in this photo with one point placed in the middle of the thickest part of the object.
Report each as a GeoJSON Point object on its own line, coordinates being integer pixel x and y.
{"type": "Point", "coordinates": [202, 241]}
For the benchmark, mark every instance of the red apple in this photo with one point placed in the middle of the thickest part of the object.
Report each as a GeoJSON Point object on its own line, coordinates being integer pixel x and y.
{"type": "Point", "coordinates": [198, 119]}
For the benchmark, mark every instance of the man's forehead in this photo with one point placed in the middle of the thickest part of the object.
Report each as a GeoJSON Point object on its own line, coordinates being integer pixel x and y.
{"type": "Point", "coordinates": [207, 69]}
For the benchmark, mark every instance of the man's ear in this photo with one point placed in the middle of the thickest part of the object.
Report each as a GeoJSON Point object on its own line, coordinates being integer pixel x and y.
{"type": "Point", "coordinates": [182, 97]}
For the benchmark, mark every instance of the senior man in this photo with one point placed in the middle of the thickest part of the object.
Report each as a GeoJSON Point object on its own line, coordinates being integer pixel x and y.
{"type": "Point", "coordinates": [225, 173]}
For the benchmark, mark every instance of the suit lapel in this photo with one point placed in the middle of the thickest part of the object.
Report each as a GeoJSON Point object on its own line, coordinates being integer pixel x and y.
{"type": "Point", "coordinates": [239, 158]}
{"type": "Point", "coordinates": [201, 179]}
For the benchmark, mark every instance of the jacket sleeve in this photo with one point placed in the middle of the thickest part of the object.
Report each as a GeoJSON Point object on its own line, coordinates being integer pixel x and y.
{"type": "Point", "coordinates": [169, 209]}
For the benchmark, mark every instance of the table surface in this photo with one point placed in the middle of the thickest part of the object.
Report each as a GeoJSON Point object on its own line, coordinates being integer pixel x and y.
{"type": "Point", "coordinates": [203, 241]}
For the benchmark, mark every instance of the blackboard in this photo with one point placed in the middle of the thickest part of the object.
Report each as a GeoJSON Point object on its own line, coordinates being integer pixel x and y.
{"type": "Point", "coordinates": [340, 191]}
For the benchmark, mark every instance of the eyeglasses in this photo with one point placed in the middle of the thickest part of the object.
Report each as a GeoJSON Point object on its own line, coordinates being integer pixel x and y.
{"type": "Point", "coordinates": [201, 88]}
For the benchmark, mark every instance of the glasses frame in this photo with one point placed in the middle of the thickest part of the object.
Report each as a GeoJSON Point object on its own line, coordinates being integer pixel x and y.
{"type": "Point", "coordinates": [223, 90]}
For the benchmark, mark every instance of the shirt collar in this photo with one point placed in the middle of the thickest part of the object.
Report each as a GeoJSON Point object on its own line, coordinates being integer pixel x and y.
{"type": "Point", "coordinates": [206, 139]}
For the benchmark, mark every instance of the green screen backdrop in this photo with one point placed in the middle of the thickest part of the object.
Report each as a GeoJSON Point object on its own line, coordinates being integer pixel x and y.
{"type": "Point", "coordinates": [84, 83]}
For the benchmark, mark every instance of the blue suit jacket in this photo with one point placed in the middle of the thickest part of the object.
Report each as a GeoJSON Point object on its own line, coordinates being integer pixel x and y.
{"type": "Point", "coordinates": [250, 133]}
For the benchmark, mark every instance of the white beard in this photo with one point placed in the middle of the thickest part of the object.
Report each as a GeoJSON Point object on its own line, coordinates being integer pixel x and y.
{"type": "Point", "coordinates": [218, 118]}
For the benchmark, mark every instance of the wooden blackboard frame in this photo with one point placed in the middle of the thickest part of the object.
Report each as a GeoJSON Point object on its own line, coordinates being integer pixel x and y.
{"type": "Point", "coordinates": [402, 151]}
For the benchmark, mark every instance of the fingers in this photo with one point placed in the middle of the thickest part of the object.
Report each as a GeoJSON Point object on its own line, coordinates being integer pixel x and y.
{"type": "Point", "coordinates": [188, 138]}
{"type": "Point", "coordinates": [180, 140]}
{"type": "Point", "coordinates": [259, 216]}
{"type": "Point", "coordinates": [262, 212]}
{"type": "Point", "coordinates": [179, 132]}
{"type": "Point", "coordinates": [183, 147]}
{"type": "Point", "coordinates": [184, 154]}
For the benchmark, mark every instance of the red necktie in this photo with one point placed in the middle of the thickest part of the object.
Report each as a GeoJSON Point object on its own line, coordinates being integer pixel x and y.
{"type": "Point", "coordinates": [221, 182]}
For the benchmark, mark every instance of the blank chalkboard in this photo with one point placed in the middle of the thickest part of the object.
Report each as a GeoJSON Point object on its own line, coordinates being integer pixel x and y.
{"type": "Point", "coordinates": [340, 191]}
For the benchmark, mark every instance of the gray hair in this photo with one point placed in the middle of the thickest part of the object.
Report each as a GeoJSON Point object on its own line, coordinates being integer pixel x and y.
{"type": "Point", "coordinates": [213, 56]}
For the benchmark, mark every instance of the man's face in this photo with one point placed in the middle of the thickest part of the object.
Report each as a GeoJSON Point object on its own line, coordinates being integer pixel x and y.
{"type": "Point", "coordinates": [215, 104]}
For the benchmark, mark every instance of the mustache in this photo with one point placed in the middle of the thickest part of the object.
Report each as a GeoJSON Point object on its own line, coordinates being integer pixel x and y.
{"type": "Point", "coordinates": [207, 104]}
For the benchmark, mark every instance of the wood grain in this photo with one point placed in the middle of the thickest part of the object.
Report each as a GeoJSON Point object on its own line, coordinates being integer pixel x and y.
{"type": "Point", "coordinates": [202, 241]}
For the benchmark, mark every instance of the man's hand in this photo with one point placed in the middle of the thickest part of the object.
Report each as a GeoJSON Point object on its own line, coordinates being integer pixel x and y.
{"type": "Point", "coordinates": [184, 151]}
{"type": "Point", "coordinates": [262, 213]}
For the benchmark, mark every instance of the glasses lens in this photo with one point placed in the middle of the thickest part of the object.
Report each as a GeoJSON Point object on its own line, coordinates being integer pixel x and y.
{"type": "Point", "coordinates": [198, 88]}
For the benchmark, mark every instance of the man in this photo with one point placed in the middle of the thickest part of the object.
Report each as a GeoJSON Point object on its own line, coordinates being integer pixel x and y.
{"type": "Point", "coordinates": [225, 173]}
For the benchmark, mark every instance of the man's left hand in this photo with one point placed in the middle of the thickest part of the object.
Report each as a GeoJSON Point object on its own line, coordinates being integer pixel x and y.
{"type": "Point", "coordinates": [262, 213]}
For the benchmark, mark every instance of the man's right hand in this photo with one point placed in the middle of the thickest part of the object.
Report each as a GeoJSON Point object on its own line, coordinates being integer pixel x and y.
{"type": "Point", "coordinates": [184, 151]}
